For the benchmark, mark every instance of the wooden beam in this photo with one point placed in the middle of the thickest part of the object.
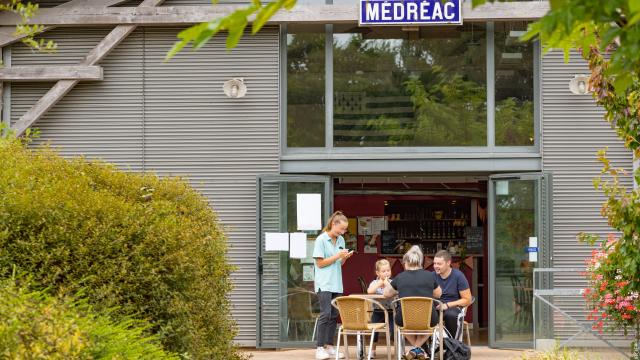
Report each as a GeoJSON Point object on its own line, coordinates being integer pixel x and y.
{"type": "Point", "coordinates": [7, 33]}
{"type": "Point", "coordinates": [50, 73]}
{"type": "Point", "coordinates": [182, 15]}
{"type": "Point", "coordinates": [62, 87]}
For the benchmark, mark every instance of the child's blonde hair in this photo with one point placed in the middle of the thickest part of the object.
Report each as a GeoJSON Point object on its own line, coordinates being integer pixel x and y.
{"type": "Point", "coordinates": [382, 262]}
{"type": "Point", "coordinates": [336, 217]}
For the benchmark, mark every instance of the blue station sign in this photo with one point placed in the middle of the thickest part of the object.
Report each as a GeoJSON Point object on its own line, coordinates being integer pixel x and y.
{"type": "Point", "coordinates": [410, 12]}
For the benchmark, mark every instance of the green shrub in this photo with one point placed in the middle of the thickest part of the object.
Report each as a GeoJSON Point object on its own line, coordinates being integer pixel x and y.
{"type": "Point", "coordinates": [150, 247]}
{"type": "Point", "coordinates": [35, 325]}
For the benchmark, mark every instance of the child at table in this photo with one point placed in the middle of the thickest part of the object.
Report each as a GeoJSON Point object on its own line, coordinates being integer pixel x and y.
{"type": "Point", "coordinates": [383, 272]}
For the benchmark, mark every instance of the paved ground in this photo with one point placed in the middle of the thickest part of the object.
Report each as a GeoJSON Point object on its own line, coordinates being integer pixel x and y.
{"type": "Point", "coordinates": [478, 353]}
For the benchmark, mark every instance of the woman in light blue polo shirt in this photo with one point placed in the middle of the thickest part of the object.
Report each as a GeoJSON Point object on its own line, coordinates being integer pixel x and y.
{"type": "Point", "coordinates": [330, 254]}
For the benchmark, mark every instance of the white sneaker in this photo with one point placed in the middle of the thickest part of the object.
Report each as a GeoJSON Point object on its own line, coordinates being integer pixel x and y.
{"type": "Point", "coordinates": [332, 352]}
{"type": "Point", "coordinates": [322, 354]}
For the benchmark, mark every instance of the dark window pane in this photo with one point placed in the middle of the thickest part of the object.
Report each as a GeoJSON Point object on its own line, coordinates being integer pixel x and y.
{"type": "Point", "coordinates": [409, 88]}
{"type": "Point", "coordinates": [305, 87]}
{"type": "Point", "coordinates": [514, 86]}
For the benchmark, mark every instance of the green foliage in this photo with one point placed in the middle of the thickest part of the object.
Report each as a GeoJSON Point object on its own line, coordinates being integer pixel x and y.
{"type": "Point", "coordinates": [234, 23]}
{"type": "Point", "coordinates": [35, 325]}
{"type": "Point", "coordinates": [449, 110]}
{"type": "Point", "coordinates": [608, 35]}
{"type": "Point", "coordinates": [150, 247]}
{"type": "Point", "coordinates": [25, 30]}
{"type": "Point", "coordinates": [613, 270]}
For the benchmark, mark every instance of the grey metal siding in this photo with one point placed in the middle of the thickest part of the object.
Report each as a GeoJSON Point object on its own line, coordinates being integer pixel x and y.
{"type": "Point", "coordinates": [98, 119]}
{"type": "Point", "coordinates": [573, 129]}
{"type": "Point", "coordinates": [173, 118]}
{"type": "Point", "coordinates": [221, 144]}
{"type": "Point", "coordinates": [271, 288]}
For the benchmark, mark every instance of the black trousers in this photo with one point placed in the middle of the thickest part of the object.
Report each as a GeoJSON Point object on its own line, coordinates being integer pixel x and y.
{"type": "Point", "coordinates": [450, 319]}
{"type": "Point", "coordinates": [378, 317]}
{"type": "Point", "coordinates": [327, 322]}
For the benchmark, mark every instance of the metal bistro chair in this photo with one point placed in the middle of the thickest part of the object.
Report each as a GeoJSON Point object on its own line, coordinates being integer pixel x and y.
{"type": "Point", "coordinates": [463, 326]}
{"type": "Point", "coordinates": [354, 312]}
{"type": "Point", "coordinates": [301, 312]}
{"type": "Point", "coordinates": [416, 320]}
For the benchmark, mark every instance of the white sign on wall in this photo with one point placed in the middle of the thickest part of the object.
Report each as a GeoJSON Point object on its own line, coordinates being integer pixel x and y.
{"type": "Point", "coordinates": [309, 211]}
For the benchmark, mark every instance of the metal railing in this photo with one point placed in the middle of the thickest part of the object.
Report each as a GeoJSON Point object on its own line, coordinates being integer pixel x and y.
{"type": "Point", "coordinates": [541, 295]}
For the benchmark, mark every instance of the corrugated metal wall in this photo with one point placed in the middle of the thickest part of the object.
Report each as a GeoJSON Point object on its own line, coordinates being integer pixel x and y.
{"type": "Point", "coordinates": [272, 212]}
{"type": "Point", "coordinates": [573, 129]}
{"type": "Point", "coordinates": [99, 119]}
{"type": "Point", "coordinates": [173, 118]}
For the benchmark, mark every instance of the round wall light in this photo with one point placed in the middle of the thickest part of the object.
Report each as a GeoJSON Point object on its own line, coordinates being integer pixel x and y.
{"type": "Point", "coordinates": [234, 88]}
{"type": "Point", "coordinates": [579, 85]}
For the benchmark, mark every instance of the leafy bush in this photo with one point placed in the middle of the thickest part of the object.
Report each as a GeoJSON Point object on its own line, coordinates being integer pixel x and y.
{"type": "Point", "coordinates": [609, 294]}
{"type": "Point", "coordinates": [35, 325]}
{"type": "Point", "coordinates": [150, 247]}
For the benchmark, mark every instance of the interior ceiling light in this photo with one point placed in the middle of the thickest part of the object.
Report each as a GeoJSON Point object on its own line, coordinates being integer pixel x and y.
{"type": "Point", "coordinates": [510, 58]}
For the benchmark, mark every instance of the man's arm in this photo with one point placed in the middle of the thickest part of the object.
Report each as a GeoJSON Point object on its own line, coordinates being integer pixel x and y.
{"type": "Point", "coordinates": [465, 299]}
{"type": "Point", "coordinates": [437, 292]}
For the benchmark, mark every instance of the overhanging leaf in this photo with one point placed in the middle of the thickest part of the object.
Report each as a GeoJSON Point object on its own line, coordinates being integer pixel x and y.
{"type": "Point", "coordinates": [264, 14]}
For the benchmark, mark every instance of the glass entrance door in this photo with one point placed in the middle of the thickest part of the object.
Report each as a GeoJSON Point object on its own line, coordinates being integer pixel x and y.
{"type": "Point", "coordinates": [519, 231]}
{"type": "Point", "coordinates": [287, 305]}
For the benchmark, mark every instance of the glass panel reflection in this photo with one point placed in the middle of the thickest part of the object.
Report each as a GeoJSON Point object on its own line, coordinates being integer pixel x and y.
{"type": "Point", "coordinates": [514, 224]}
{"type": "Point", "coordinates": [305, 86]}
{"type": "Point", "coordinates": [301, 301]}
{"type": "Point", "coordinates": [409, 86]}
{"type": "Point", "coordinates": [514, 86]}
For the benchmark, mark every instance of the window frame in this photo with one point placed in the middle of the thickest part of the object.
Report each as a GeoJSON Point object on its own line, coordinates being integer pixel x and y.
{"type": "Point", "coordinates": [399, 151]}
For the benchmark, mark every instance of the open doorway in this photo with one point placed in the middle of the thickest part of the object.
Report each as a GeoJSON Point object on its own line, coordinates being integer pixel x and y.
{"type": "Point", "coordinates": [388, 215]}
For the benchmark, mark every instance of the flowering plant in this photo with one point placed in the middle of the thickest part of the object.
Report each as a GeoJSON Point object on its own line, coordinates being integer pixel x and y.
{"type": "Point", "coordinates": [610, 294]}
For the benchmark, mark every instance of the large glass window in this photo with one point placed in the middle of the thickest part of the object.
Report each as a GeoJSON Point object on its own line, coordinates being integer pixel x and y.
{"type": "Point", "coordinates": [305, 86]}
{"type": "Point", "coordinates": [514, 86]}
{"type": "Point", "coordinates": [409, 87]}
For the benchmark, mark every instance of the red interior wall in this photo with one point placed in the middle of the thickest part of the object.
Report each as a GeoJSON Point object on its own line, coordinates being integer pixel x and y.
{"type": "Point", "coordinates": [361, 264]}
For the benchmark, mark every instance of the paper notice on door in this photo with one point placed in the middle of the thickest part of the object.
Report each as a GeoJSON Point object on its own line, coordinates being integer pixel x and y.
{"type": "Point", "coordinates": [276, 241]}
{"type": "Point", "coordinates": [365, 225]}
{"type": "Point", "coordinates": [297, 245]}
{"type": "Point", "coordinates": [378, 224]}
{"type": "Point", "coordinates": [309, 211]}
{"type": "Point", "coordinates": [307, 273]}
{"type": "Point", "coordinates": [533, 249]}
{"type": "Point", "coordinates": [502, 187]}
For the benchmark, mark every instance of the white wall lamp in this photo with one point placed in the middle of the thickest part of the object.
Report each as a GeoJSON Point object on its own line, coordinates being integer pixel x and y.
{"type": "Point", "coordinates": [579, 85]}
{"type": "Point", "coordinates": [235, 88]}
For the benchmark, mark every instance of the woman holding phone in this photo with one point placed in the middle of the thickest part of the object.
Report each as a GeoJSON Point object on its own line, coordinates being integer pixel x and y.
{"type": "Point", "coordinates": [330, 254]}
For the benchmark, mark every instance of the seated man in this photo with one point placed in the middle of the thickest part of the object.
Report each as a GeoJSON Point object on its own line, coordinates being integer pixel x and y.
{"type": "Point", "coordinates": [414, 281]}
{"type": "Point", "coordinates": [455, 290]}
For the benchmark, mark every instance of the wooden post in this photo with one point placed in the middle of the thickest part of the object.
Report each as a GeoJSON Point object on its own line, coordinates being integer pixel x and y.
{"type": "Point", "coordinates": [61, 88]}
{"type": "Point", "coordinates": [50, 73]}
{"type": "Point", "coordinates": [7, 33]}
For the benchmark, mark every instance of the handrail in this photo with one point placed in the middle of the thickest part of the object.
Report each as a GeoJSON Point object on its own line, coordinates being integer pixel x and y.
{"type": "Point", "coordinates": [540, 293]}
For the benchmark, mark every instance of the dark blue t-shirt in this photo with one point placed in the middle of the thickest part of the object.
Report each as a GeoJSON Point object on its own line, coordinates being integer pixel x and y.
{"type": "Point", "coordinates": [452, 285]}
